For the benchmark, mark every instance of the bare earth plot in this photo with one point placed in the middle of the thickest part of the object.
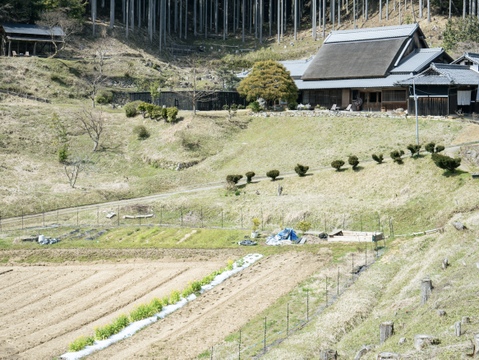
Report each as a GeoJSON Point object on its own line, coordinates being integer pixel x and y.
{"type": "Point", "coordinates": [219, 312]}
{"type": "Point", "coordinates": [44, 308]}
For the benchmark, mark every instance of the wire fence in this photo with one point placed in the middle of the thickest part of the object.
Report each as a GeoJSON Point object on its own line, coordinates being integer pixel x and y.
{"type": "Point", "coordinates": [164, 214]}
{"type": "Point", "coordinates": [254, 340]}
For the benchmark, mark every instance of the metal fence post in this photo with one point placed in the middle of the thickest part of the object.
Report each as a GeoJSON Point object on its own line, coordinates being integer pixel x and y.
{"type": "Point", "coordinates": [264, 336]}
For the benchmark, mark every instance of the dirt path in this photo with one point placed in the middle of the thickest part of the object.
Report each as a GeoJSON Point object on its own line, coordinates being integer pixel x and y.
{"type": "Point", "coordinates": [219, 312]}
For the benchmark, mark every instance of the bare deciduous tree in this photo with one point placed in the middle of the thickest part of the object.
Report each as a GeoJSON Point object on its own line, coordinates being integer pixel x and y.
{"type": "Point", "coordinates": [59, 19]}
{"type": "Point", "coordinates": [74, 167]}
{"type": "Point", "coordinates": [92, 122]}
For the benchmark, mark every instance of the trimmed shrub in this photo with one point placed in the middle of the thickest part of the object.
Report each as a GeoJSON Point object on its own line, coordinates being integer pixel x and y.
{"type": "Point", "coordinates": [273, 174]}
{"type": "Point", "coordinates": [172, 113]}
{"type": "Point", "coordinates": [81, 343]}
{"type": "Point", "coordinates": [414, 149]}
{"type": "Point", "coordinates": [141, 132]}
{"type": "Point", "coordinates": [378, 158]}
{"type": "Point", "coordinates": [396, 155]}
{"type": "Point", "coordinates": [249, 176]}
{"type": "Point", "coordinates": [104, 97]}
{"type": "Point", "coordinates": [353, 161]}
{"type": "Point", "coordinates": [439, 148]}
{"type": "Point", "coordinates": [446, 162]}
{"type": "Point", "coordinates": [233, 179]}
{"type": "Point", "coordinates": [143, 108]}
{"type": "Point", "coordinates": [254, 106]}
{"type": "Point", "coordinates": [131, 109]}
{"type": "Point", "coordinates": [337, 164]}
{"type": "Point", "coordinates": [301, 170]}
{"type": "Point", "coordinates": [433, 148]}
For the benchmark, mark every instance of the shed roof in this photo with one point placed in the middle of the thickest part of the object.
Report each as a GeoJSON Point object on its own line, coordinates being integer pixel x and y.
{"type": "Point", "coordinates": [13, 29]}
{"type": "Point", "coordinates": [444, 74]}
{"type": "Point", "coordinates": [355, 59]}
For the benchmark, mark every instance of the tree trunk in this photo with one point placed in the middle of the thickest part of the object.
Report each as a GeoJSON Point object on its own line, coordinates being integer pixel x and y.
{"type": "Point", "coordinates": [93, 16]}
{"type": "Point", "coordinates": [386, 330]}
{"type": "Point", "coordinates": [426, 288]}
{"type": "Point", "coordinates": [112, 13]}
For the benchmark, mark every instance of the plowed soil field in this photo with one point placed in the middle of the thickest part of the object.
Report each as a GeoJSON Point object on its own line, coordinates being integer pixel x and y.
{"type": "Point", "coordinates": [44, 308]}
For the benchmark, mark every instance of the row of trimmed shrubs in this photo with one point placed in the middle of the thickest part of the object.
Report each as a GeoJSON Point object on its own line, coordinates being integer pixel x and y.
{"type": "Point", "coordinates": [152, 111]}
{"type": "Point", "coordinates": [144, 311]}
{"type": "Point", "coordinates": [442, 161]}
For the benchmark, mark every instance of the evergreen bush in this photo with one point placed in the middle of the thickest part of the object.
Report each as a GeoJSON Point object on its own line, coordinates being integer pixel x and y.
{"type": "Point", "coordinates": [446, 162]}
{"type": "Point", "coordinates": [301, 170]}
{"type": "Point", "coordinates": [273, 174]}
{"type": "Point", "coordinates": [378, 158]}
{"type": "Point", "coordinates": [353, 161]}
{"type": "Point", "coordinates": [337, 164]}
{"type": "Point", "coordinates": [396, 155]}
{"type": "Point", "coordinates": [104, 97]}
{"type": "Point", "coordinates": [131, 109]}
{"type": "Point", "coordinates": [172, 113]}
{"type": "Point", "coordinates": [141, 132]}
{"type": "Point", "coordinates": [233, 179]}
{"type": "Point", "coordinates": [414, 149]}
{"type": "Point", "coordinates": [249, 176]}
{"type": "Point", "coordinates": [255, 106]}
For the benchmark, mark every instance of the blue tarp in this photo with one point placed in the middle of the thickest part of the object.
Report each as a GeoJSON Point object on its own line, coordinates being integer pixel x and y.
{"type": "Point", "coordinates": [285, 234]}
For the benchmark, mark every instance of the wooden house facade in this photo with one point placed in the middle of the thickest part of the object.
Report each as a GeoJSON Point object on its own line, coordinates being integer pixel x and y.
{"type": "Point", "coordinates": [363, 67]}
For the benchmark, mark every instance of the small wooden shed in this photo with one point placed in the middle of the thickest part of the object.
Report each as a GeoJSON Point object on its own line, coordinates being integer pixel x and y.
{"type": "Point", "coordinates": [29, 39]}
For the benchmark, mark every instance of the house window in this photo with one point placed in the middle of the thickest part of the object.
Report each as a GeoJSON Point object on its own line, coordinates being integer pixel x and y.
{"type": "Point", "coordinates": [394, 95]}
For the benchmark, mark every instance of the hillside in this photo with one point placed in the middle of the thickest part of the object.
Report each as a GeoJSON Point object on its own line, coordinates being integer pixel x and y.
{"type": "Point", "coordinates": [207, 218]}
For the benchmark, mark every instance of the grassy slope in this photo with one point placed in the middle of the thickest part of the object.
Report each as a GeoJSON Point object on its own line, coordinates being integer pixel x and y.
{"type": "Point", "coordinates": [416, 196]}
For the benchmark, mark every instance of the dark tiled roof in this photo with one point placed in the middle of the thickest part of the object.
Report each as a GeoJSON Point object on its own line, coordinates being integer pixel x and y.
{"type": "Point", "coordinates": [444, 74]}
{"type": "Point", "coordinates": [355, 59]}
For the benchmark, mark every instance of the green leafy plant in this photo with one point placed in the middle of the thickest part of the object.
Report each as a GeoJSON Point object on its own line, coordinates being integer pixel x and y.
{"type": "Point", "coordinates": [304, 226]}
{"type": "Point", "coordinates": [256, 222]}
{"type": "Point", "coordinates": [337, 164]}
{"type": "Point", "coordinates": [396, 155]}
{"type": "Point", "coordinates": [81, 343]}
{"type": "Point", "coordinates": [255, 106]}
{"type": "Point", "coordinates": [353, 161]}
{"type": "Point", "coordinates": [249, 176]}
{"type": "Point", "coordinates": [141, 312]}
{"type": "Point", "coordinates": [175, 296]}
{"type": "Point", "coordinates": [301, 170]}
{"type": "Point", "coordinates": [378, 158]}
{"type": "Point", "coordinates": [446, 162]}
{"type": "Point", "coordinates": [156, 305]}
{"type": "Point", "coordinates": [273, 174]}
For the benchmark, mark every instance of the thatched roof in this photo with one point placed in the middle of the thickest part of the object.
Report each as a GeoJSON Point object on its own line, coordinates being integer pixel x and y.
{"type": "Point", "coordinates": [355, 59]}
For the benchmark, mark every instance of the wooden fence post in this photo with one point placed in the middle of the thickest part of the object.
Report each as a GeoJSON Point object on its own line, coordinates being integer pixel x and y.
{"type": "Point", "coordinates": [386, 330]}
{"type": "Point", "coordinates": [426, 288]}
